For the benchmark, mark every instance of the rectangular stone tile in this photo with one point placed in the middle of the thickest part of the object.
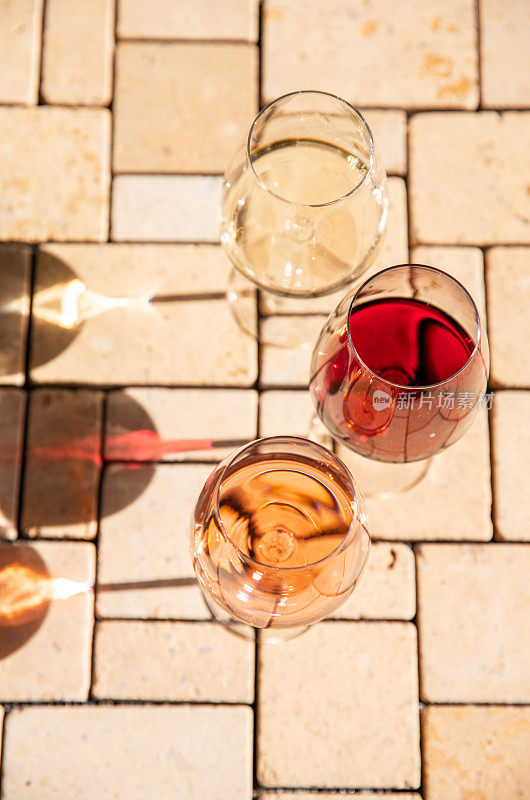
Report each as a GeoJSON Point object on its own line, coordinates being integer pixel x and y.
{"type": "Point", "coordinates": [476, 752]}
{"type": "Point", "coordinates": [423, 57]}
{"type": "Point", "coordinates": [466, 264]}
{"type": "Point", "coordinates": [510, 458]}
{"type": "Point", "coordinates": [15, 274]}
{"type": "Point", "coordinates": [175, 661]}
{"type": "Point", "coordinates": [94, 323]}
{"type": "Point", "coordinates": [78, 52]}
{"type": "Point", "coordinates": [389, 129]}
{"type": "Point", "coordinates": [453, 501]}
{"type": "Point", "coordinates": [508, 288]}
{"type": "Point", "coordinates": [461, 190]}
{"type": "Point", "coordinates": [155, 424]}
{"type": "Point", "coordinates": [387, 588]}
{"type": "Point", "coordinates": [63, 462]}
{"type": "Point", "coordinates": [47, 655]}
{"type": "Point", "coordinates": [287, 366]}
{"type": "Point", "coordinates": [119, 752]}
{"type": "Point", "coordinates": [504, 53]}
{"type": "Point", "coordinates": [20, 50]}
{"type": "Point", "coordinates": [158, 208]}
{"type": "Point", "coordinates": [285, 412]}
{"type": "Point", "coordinates": [473, 622]}
{"type": "Point", "coordinates": [182, 107]}
{"type": "Point", "coordinates": [188, 19]}
{"type": "Point", "coordinates": [145, 517]}
{"type": "Point", "coordinates": [56, 162]}
{"type": "Point", "coordinates": [12, 405]}
{"type": "Point", "coordinates": [338, 726]}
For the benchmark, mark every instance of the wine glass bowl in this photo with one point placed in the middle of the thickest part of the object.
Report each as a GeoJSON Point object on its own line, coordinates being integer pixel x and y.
{"type": "Point", "coordinates": [278, 537]}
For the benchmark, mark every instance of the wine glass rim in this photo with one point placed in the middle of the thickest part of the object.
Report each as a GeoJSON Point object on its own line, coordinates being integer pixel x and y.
{"type": "Point", "coordinates": [429, 386]}
{"type": "Point", "coordinates": [356, 511]}
{"type": "Point", "coordinates": [351, 108]}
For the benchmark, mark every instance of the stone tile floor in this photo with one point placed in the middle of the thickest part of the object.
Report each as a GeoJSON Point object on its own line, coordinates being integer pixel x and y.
{"type": "Point", "coordinates": [117, 123]}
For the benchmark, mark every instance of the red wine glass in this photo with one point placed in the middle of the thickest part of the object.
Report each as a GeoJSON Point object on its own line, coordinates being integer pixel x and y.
{"type": "Point", "coordinates": [400, 370]}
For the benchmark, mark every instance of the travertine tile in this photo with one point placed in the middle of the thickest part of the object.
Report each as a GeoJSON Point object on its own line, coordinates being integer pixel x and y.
{"type": "Point", "coordinates": [285, 412]}
{"type": "Point", "coordinates": [288, 366]}
{"type": "Point", "coordinates": [423, 57]}
{"type": "Point", "coordinates": [182, 107]}
{"type": "Point", "coordinates": [461, 189]}
{"type": "Point", "coordinates": [453, 501]}
{"type": "Point", "coordinates": [337, 727]}
{"type": "Point", "coordinates": [188, 19]}
{"type": "Point", "coordinates": [504, 53]}
{"type": "Point", "coordinates": [63, 461]}
{"type": "Point", "coordinates": [389, 129]}
{"type": "Point", "coordinates": [56, 163]}
{"type": "Point", "coordinates": [15, 272]}
{"type": "Point", "coordinates": [49, 657]}
{"type": "Point", "coordinates": [177, 416]}
{"type": "Point", "coordinates": [12, 403]}
{"type": "Point", "coordinates": [137, 502]}
{"type": "Point", "coordinates": [20, 50]}
{"type": "Point", "coordinates": [510, 457]}
{"type": "Point", "coordinates": [466, 264]}
{"type": "Point", "coordinates": [166, 208]}
{"type": "Point", "coordinates": [93, 323]}
{"type": "Point", "coordinates": [115, 753]}
{"type": "Point", "coordinates": [508, 287]}
{"type": "Point", "coordinates": [472, 752]}
{"type": "Point", "coordinates": [387, 588]}
{"type": "Point", "coordinates": [184, 661]}
{"type": "Point", "coordinates": [473, 622]}
{"type": "Point", "coordinates": [78, 52]}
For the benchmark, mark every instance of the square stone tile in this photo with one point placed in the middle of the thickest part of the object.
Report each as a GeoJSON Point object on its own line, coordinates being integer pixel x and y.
{"type": "Point", "coordinates": [504, 53]}
{"type": "Point", "coordinates": [510, 449]}
{"type": "Point", "coordinates": [337, 726]}
{"type": "Point", "coordinates": [453, 501]}
{"type": "Point", "coordinates": [508, 287]}
{"type": "Point", "coordinates": [175, 661]}
{"type": "Point", "coordinates": [93, 323]}
{"type": "Point", "coordinates": [15, 274]}
{"type": "Point", "coordinates": [472, 752]}
{"type": "Point", "coordinates": [286, 412]}
{"type": "Point", "coordinates": [461, 191]}
{"type": "Point", "coordinates": [78, 50]}
{"type": "Point", "coordinates": [48, 657]}
{"type": "Point", "coordinates": [12, 405]}
{"type": "Point", "coordinates": [20, 51]}
{"type": "Point", "coordinates": [56, 162]}
{"type": "Point", "coordinates": [177, 417]}
{"type": "Point", "coordinates": [145, 518]}
{"type": "Point", "coordinates": [166, 208]}
{"type": "Point", "coordinates": [120, 752]}
{"type": "Point", "coordinates": [423, 57]}
{"type": "Point", "coordinates": [473, 622]}
{"type": "Point", "coordinates": [172, 96]}
{"type": "Point", "coordinates": [389, 129]}
{"type": "Point", "coordinates": [188, 19]}
{"type": "Point", "coordinates": [287, 366]}
{"type": "Point", "coordinates": [466, 264]}
{"type": "Point", "coordinates": [63, 462]}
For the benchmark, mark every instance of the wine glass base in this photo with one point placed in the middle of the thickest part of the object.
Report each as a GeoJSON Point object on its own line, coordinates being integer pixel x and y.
{"type": "Point", "coordinates": [248, 632]}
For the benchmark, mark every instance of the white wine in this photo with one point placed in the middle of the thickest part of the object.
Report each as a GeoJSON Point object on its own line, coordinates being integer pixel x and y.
{"type": "Point", "coordinates": [304, 217]}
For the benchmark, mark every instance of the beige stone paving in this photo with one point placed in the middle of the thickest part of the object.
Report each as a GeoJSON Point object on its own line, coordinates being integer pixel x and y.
{"type": "Point", "coordinates": [56, 163]}
{"type": "Point", "coordinates": [389, 129]}
{"type": "Point", "coordinates": [78, 50]}
{"type": "Point", "coordinates": [461, 189]}
{"type": "Point", "coordinates": [508, 286]}
{"type": "Point", "coordinates": [20, 48]}
{"type": "Point", "coordinates": [473, 605]}
{"type": "Point", "coordinates": [285, 412]}
{"type": "Point", "coordinates": [358, 679]}
{"type": "Point", "coordinates": [476, 752]}
{"type": "Point", "coordinates": [173, 661]}
{"type": "Point", "coordinates": [504, 53]}
{"type": "Point", "coordinates": [63, 460]}
{"type": "Point", "coordinates": [510, 457]}
{"type": "Point", "coordinates": [168, 102]}
{"type": "Point", "coordinates": [422, 57]}
{"type": "Point", "coordinates": [15, 270]}
{"type": "Point", "coordinates": [101, 752]}
{"type": "Point", "coordinates": [188, 19]}
{"type": "Point", "coordinates": [466, 264]}
{"type": "Point", "coordinates": [49, 658]}
{"type": "Point", "coordinates": [12, 405]}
